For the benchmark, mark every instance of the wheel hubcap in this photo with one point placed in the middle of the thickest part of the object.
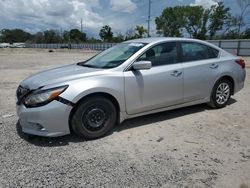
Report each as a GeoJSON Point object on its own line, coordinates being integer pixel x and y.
{"type": "Point", "coordinates": [95, 117]}
{"type": "Point", "coordinates": [222, 93]}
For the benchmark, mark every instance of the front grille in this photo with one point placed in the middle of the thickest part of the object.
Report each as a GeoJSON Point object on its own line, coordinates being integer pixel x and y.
{"type": "Point", "coordinates": [21, 92]}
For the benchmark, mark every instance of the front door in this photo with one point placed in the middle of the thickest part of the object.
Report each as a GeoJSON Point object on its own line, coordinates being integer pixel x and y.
{"type": "Point", "coordinates": [158, 87]}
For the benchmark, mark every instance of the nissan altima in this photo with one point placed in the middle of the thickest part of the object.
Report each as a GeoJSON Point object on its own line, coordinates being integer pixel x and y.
{"type": "Point", "coordinates": [130, 79]}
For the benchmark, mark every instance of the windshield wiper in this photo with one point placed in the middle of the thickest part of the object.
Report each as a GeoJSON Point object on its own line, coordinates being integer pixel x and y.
{"type": "Point", "coordinates": [87, 65]}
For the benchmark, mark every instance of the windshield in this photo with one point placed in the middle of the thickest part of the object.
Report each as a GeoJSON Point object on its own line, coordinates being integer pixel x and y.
{"type": "Point", "coordinates": [114, 56]}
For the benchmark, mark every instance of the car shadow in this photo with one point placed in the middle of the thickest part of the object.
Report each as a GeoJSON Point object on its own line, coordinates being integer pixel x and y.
{"type": "Point", "coordinates": [166, 115]}
{"type": "Point", "coordinates": [47, 141]}
{"type": "Point", "coordinates": [158, 117]}
{"type": "Point", "coordinates": [231, 101]}
{"type": "Point", "coordinates": [128, 124]}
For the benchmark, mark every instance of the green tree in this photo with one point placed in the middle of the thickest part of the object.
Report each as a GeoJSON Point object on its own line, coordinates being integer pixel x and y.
{"type": "Point", "coordinates": [76, 36]}
{"type": "Point", "coordinates": [14, 35]}
{"type": "Point", "coordinates": [247, 33]}
{"type": "Point", "coordinates": [93, 40]}
{"type": "Point", "coordinates": [66, 37]}
{"type": "Point", "coordinates": [51, 36]}
{"type": "Point", "coordinates": [106, 33]}
{"type": "Point", "coordinates": [170, 22]}
{"type": "Point", "coordinates": [244, 7]}
{"type": "Point", "coordinates": [130, 34]}
{"type": "Point", "coordinates": [134, 33]}
{"type": "Point", "coordinates": [140, 31]}
{"type": "Point", "coordinates": [38, 37]}
{"type": "Point", "coordinates": [231, 24]}
{"type": "Point", "coordinates": [231, 34]}
{"type": "Point", "coordinates": [193, 20]}
{"type": "Point", "coordinates": [218, 18]}
{"type": "Point", "coordinates": [118, 38]}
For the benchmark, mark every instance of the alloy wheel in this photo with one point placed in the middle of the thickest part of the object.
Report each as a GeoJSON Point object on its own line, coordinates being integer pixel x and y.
{"type": "Point", "coordinates": [222, 93]}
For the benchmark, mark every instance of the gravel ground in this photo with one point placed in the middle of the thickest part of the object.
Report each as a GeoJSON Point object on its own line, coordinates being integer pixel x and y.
{"type": "Point", "coordinates": [188, 147]}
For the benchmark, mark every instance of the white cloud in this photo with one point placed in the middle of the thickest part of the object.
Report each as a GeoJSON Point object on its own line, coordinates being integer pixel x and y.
{"type": "Point", "coordinates": [49, 14]}
{"type": "Point", "coordinates": [122, 5]}
{"type": "Point", "coordinates": [204, 3]}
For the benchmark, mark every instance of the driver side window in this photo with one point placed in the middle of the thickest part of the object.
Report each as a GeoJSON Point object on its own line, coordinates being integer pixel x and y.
{"type": "Point", "coordinates": [161, 54]}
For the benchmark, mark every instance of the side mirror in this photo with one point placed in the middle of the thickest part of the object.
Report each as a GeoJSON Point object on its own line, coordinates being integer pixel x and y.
{"type": "Point", "coordinates": [142, 65]}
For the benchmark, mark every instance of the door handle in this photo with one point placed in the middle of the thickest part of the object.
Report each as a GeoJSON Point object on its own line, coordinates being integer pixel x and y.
{"type": "Point", "coordinates": [176, 73]}
{"type": "Point", "coordinates": [214, 66]}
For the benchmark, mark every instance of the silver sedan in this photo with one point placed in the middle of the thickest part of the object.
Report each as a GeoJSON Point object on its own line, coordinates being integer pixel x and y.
{"type": "Point", "coordinates": [134, 78]}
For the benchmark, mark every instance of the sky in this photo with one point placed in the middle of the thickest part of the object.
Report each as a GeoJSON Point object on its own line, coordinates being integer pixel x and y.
{"type": "Point", "coordinates": [121, 15]}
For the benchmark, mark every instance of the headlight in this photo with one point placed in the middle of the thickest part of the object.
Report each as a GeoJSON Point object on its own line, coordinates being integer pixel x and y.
{"type": "Point", "coordinates": [41, 97]}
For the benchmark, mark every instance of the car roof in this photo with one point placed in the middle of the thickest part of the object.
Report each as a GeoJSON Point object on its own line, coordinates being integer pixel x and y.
{"type": "Point", "coordinates": [161, 39]}
{"type": "Point", "coordinates": [154, 40]}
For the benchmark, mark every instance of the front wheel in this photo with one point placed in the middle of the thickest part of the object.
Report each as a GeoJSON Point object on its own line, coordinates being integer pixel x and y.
{"type": "Point", "coordinates": [221, 94]}
{"type": "Point", "coordinates": [94, 118]}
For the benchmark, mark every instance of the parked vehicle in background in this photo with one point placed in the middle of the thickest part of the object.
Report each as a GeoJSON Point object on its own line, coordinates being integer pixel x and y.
{"type": "Point", "coordinates": [18, 45]}
{"type": "Point", "coordinates": [4, 45]}
{"type": "Point", "coordinates": [131, 79]}
{"type": "Point", "coordinates": [12, 45]}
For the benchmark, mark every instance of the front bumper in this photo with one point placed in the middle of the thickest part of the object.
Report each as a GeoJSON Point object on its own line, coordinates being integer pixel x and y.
{"type": "Point", "coordinates": [51, 120]}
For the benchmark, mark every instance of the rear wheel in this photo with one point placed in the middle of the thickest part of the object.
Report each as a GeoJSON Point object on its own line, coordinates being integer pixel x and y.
{"type": "Point", "coordinates": [221, 94]}
{"type": "Point", "coordinates": [94, 118]}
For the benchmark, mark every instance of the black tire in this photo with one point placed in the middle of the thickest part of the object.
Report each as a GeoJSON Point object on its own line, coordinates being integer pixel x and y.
{"type": "Point", "coordinates": [94, 118]}
{"type": "Point", "coordinates": [215, 97]}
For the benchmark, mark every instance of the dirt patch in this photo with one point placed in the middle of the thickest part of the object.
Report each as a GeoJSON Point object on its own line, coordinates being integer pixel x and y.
{"type": "Point", "coordinates": [188, 147]}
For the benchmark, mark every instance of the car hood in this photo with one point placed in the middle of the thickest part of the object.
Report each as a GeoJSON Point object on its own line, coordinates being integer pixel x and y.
{"type": "Point", "coordinates": [57, 75]}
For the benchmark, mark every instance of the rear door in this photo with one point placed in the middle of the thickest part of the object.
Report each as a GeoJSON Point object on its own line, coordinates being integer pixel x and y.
{"type": "Point", "coordinates": [201, 67]}
{"type": "Point", "coordinates": [158, 87]}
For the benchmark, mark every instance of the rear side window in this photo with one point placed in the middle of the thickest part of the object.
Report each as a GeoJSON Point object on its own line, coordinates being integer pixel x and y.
{"type": "Point", "coordinates": [213, 53]}
{"type": "Point", "coordinates": [161, 54]}
{"type": "Point", "coordinates": [192, 51]}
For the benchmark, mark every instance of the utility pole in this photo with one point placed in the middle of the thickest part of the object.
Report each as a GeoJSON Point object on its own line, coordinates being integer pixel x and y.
{"type": "Point", "coordinates": [149, 16]}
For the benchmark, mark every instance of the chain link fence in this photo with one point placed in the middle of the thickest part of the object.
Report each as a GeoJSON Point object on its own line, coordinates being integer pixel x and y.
{"type": "Point", "coordinates": [85, 46]}
{"type": "Point", "coordinates": [236, 47]}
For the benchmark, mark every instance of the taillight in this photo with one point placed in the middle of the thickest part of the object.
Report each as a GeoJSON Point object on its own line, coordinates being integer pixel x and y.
{"type": "Point", "coordinates": [241, 62]}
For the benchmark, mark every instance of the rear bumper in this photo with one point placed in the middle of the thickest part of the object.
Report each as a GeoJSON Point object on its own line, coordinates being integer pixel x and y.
{"type": "Point", "coordinates": [238, 87]}
{"type": "Point", "coordinates": [240, 82]}
{"type": "Point", "coordinates": [50, 120]}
